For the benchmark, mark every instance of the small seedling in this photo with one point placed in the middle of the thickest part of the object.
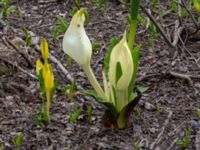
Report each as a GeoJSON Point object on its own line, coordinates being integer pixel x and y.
{"type": "Point", "coordinates": [70, 90]}
{"type": "Point", "coordinates": [158, 110]}
{"type": "Point", "coordinates": [153, 4]}
{"type": "Point", "coordinates": [96, 47]}
{"type": "Point", "coordinates": [61, 27]}
{"type": "Point", "coordinates": [138, 112]}
{"type": "Point", "coordinates": [74, 116]}
{"type": "Point", "coordinates": [184, 142]}
{"type": "Point", "coordinates": [78, 3]}
{"type": "Point", "coordinates": [69, 61]}
{"type": "Point", "coordinates": [137, 146]}
{"type": "Point", "coordinates": [7, 10]}
{"type": "Point", "coordinates": [198, 113]}
{"type": "Point", "coordinates": [28, 38]}
{"type": "Point", "coordinates": [101, 4]}
{"type": "Point", "coordinates": [19, 139]}
{"type": "Point", "coordinates": [89, 113]}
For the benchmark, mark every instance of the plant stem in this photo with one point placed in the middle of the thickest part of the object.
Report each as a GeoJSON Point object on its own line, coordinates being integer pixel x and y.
{"type": "Point", "coordinates": [131, 38]}
{"type": "Point", "coordinates": [48, 105]}
{"type": "Point", "coordinates": [93, 81]}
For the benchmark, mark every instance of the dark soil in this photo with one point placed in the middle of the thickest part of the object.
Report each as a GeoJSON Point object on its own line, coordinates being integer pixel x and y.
{"type": "Point", "coordinates": [167, 108]}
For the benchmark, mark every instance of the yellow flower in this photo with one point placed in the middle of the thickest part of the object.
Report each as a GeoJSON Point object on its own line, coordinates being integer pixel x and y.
{"type": "Point", "coordinates": [121, 60]}
{"type": "Point", "coordinates": [44, 50]}
{"type": "Point", "coordinates": [76, 43]}
{"type": "Point", "coordinates": [39, 66]}
{"type": "Point", "coordinates": [48, 77]}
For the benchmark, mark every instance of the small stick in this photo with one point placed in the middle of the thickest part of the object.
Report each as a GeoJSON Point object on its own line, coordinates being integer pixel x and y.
{"type": "Point", "coordinates": [159, 137]}
{"type": "Point", "coordinates": [66, 73]}
{"type": "Point", "coordinates": [18, 50]}
{"type": "Point", "coordinates": [177, 33]}
{"type": "Point", "coordinates": [182, 76]}
{"type": "Point", "coordinates": [18, 67]}
{"type": "Point", "coordinates": [172, 144]}
{"type": "Point", "coordinates": [157, 26]}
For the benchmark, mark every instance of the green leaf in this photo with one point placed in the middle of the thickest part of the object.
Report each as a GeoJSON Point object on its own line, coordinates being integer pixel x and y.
{"type": "Point", "coordinates": [28, 39]}
{"type": "Point", "coordinates": [136, 57]}
{"type": "Point", "coordinates": [154, 3]}
{"type": "Point", "coordinates": [133, 96]}
{"type": "Point", "coordinates": [112, 44]}
{"type": "Point", "coordinates": [19, 139]}
{"type": "Point", "coordinates": [174, 7]}
{"type": "Point", "coordinates": [183, 12]}
{"type": "Point", "coordinates": [61, 27]}
{"type": "Point", "coordinates": [198, 113]}
{"type": "Point", "coordinates": [118, 72]}
{"type": "Point", "coordinates": [74, 116]}
{"type": "Point", "coordinates": [134, 9]}
{"type": "Point", "coordinates": [96, 47]}
{"type": "Point", "coordinates": [109, 105]}
{"type": "Point", "coordinates": [10, 10]}
{"type": "Point", "coordinates": [141, 20]}
{"type": "Point", "coordinates": [5, 4]}
{"type": "Point", "coordinates": [143, 89]}
{"type": "Point", "coordinates": [86, 16]}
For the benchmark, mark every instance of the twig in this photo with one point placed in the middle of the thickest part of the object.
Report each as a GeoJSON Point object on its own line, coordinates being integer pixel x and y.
{"type": "Point", "coordinates": [160, 135]}
{"type": "Point", "coordinates": [18, 67]}
{"type": "Point", "coordinates": [66, 73]}
{"type": "Point", "coordinates": [182, 76]}
{"type": "Point", "coordinates": [177, 33]}
{"type": "Point", "coordinates": [172, 144]}
{"type": "Point", "coordinates": [157, 26]}
{"type": "Point", "coordinates": [6, 40]}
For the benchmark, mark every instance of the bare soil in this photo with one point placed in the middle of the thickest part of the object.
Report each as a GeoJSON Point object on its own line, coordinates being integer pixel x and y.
{"type": "Point", "coordinates": [167, 108]}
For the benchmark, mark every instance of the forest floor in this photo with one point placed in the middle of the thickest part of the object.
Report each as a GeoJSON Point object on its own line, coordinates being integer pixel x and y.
{"type": "Point", "coordinates": [163, 115]}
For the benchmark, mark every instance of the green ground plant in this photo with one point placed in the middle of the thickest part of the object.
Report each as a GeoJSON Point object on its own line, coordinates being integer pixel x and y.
{"type": "Point", "coordinates": [185, 142]}
{"type": "Point", "coordinates": [7, 10]}
{"type": "Point", "coordinates": [70, 90]}
{"type": "Point", "coordinates": [75, 115]}
{"type": "Point", "coordinates": [61, 26]}
{"type": "Point", "coordinates": [89, 113]}
{"type": "Point", "coordinates": [19, 139]}
{"type": "Point", "coordinates": [198, 113]}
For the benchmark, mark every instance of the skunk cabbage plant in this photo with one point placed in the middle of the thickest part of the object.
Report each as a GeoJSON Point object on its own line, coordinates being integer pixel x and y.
{"type": "Point", "coordinates": [120, 68]}
{"type": "Point", "coordinates": [46, 82]}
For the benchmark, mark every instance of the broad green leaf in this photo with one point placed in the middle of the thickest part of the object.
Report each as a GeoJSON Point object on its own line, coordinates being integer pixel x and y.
{"type": "Point", "coordinates": [118, 72]}
{"type": "Point", "coordinates": [134, 9]}
{"type": "Point", "coordinates": [109, 105]}
{"type": "Point", "coordinates": [136, 57]}
{"type": "Point", "coordinates": [113, 42]}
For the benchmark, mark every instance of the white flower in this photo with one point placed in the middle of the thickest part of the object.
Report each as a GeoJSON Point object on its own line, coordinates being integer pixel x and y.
{"type": "Point", "coordinates": [76, 43]}
{"type": "Point", "coordinates": [121, 57]}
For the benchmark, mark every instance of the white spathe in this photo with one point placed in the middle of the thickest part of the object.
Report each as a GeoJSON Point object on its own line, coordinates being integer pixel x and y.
{"type": "Point", "coordinates": [121, 54]}
{"type": "Point", "coordinates": [76, 43]}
